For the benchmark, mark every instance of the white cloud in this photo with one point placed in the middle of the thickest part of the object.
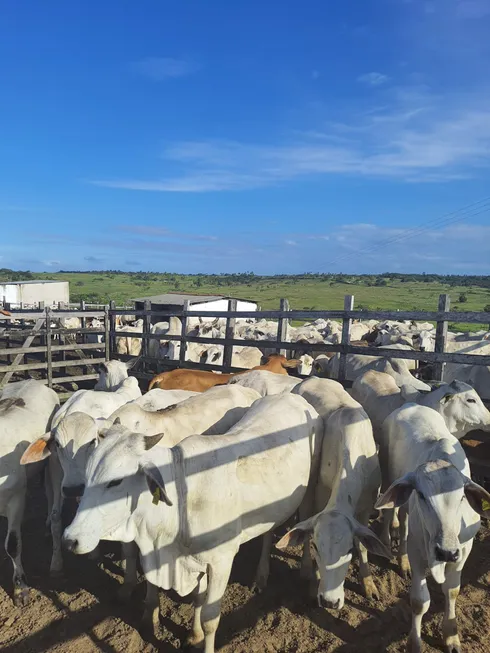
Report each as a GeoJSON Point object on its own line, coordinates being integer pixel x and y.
{"type": "Point", "coordinates": [292, 243]}
{"type": "Point", "coordinates": [51, 263]}
{"type": "Point", "coordinates": [373, 79]}
{"type": "Point", "coordinates": [161, 68]}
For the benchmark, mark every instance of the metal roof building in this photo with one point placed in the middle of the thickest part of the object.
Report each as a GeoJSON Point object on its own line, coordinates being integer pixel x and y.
{"type": "Point", "coordinates": [171, 301]}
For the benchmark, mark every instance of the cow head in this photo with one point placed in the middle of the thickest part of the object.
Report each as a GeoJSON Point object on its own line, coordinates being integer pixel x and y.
{"type": "Point", "coordinates": [462, 408]}
{"type": "Point", "coordinates": [437, 490]}
{"type": "Point", "coordinates": [121, 475]}
{"type": "Point", "coordinates": [113, 373]}
{"type": "Point", "coordinates": [332, 533]}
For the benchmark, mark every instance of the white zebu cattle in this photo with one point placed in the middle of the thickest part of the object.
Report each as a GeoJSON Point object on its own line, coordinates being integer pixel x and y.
{"type": "Point", "coordinates": [428, 468]}
{"type": "Point", "coordinates": [128, 345]}
{"type": "Point", "coordinates": [26, 410]}
{"type": "Point", "coordinates": [214, 411]}
{"type": "Point", "coordinates": [264, 382]}
{"type": "Point", "coordinates": [459, 404]}
{"type": "Point", "coordinates": [72, 438]}
{"type": "Point", "coordinates": [358, 364]}
{"type": "Point", "coordinates": [212, 494]}
{"type": "Point", "coordinates": [348, 485]}
{"type": "Point", "coordinates": [156, 399]}
{"type": "Point", "coordinates": [478, 376]}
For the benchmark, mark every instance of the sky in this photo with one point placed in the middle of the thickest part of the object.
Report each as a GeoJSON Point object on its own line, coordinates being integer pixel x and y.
{"type": "Point", "coordinates": [273, 137]}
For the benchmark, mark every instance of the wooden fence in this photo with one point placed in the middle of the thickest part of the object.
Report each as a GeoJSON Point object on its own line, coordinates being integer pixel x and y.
{"type": "Point", "coordinates": [49, 335]}
{"type": "Point", "coordinates": [439, 357]}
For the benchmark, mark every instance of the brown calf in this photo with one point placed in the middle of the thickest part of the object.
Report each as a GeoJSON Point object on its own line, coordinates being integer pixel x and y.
{"type": "Point", "coordinates": [200, 381]}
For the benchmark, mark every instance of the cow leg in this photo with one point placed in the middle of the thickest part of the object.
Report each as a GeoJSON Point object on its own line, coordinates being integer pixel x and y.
{"type": "Point", "coordinates": [395, 526]}
{"type": "Point", "coordinates": [218, 576]}
{"type": "Point", "coordinates": [130, 559]}
{"type": "Point", "coordinates": [13, 544]}
{"type": "Point", "coordinates": [370, 589]}
{"type": "Point", "coordinates": [196, 637]}
{"type": "Point", "coordinates": [48, 488]}
{"type": "Point", "coordinates": [419, 598]}
{"type": "Point", "coordinates": [263, 568]}
{"type": "Point", "coordinates": [385, 536]}
{"type": "Point", "coordinates": [403, 560]}
{"type": "Point", "coordinates": [56, 475]}
{"type": "Point", "coordinates": [450, 589]}
{"type": "Point", "coordinates": [151, 614]}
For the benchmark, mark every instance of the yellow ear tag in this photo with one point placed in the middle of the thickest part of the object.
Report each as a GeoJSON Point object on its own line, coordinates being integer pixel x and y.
{"type": "Point", "coordinates": [156, 496]}
{"type": "Point", "coordinates": [485, 505]}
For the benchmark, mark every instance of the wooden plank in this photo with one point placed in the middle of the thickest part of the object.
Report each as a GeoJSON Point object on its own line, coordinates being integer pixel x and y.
{"type": "Point", "coordinates": [430, 357]}
{"type": "Point", "coordinates": [229, 334]}
{"type": "Point", "coordinates": [346, 323]}
{"type": "Point", "coordinates": [42, 366]}
{"type": "Point", "coordinates": [145, 343]}
{"type": "Point", "coordinates": [39, 350]}
{"type": "Point", "coordinates": [18, 357]}
{"type": "Point", "coordinates": [33, 315]}
{"type": "Point", "coordinates": [473, 317]}
{"type": "Point", "coordinates": [112, 320]}
{"type": "Point", "coordinates": [441, 336]}
{"type": "Point", "coordinates": [49, 353]}
{"type": "Point", "coordinates": [107, 330]}
{"type": "Point", "coordinates": [282, 326]}
{"type": "Point", "coordinates": [183, 342]}
{"type": "Point", "coordinates": [74, 379]}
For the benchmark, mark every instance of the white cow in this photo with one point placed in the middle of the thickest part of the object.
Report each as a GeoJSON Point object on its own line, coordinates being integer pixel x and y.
{"type": "Point", "coordinates": [207, 496]}
{"type": "Point", "coordinates": [26, 410]}
{"type": "Point", "coordinates": [428, 468]}
{"type": "Point", "coordinates": [266, 383]}
{"type": "Point", "coordinates": [156, 399]}
{"type": "Point", "coordinates": [130, 345]}
{"type": "Point", "coordinates": [459, 404]}
{"type": "Point", "coordinates": [357, 364]}
{"type": "Point", "coordinates": [73, 438]}
{"type": "Point", "coordinates": [348, 486]}
{"type": "Point", "coordinates": [214, 411]}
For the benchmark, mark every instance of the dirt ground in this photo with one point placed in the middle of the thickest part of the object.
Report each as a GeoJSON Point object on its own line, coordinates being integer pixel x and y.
{"type": "Point", "coordinates": [79, 614]}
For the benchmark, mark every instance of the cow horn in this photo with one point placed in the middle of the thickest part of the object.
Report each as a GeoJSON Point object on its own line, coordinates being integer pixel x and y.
{"type": "Point", "coordinates": [152, 440]}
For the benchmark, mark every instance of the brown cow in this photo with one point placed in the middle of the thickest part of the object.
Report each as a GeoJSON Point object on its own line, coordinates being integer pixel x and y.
{"type": "Point", "coordinates": [200, 381]}
{"type": "Point", "coordinates": [3, 312]}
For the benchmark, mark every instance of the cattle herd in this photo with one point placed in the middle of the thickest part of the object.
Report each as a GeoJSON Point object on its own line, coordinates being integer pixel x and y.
{"type": "Point", "coordinates": [185, 474]}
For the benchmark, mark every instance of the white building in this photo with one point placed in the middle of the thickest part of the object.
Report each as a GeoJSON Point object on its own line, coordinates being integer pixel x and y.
{"type": "Point", "coordinates": [175, 302]}
{"type": "Point", "coordinates": [31, 293]}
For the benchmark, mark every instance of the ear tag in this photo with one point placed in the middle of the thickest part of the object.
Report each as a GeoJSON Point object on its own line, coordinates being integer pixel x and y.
{"type": "Point", "coordinates": [156, 496]}
{"type": "Point", "coordinates": [485, 505]}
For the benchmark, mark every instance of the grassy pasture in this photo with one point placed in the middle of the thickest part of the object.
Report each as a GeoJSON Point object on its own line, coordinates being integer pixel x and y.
{"type": "Point", "coordinates": [302, 292]}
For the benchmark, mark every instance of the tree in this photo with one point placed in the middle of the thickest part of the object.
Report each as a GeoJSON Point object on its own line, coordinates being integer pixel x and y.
{"type": "Point", "coordinates": [487, 308]}
{"type": "Point", "coordinates": [463, 298]}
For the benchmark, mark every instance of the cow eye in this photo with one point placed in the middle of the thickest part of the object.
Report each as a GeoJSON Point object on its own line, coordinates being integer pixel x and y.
{"type": "Point", "coordinates": [471, 401]}
{"type": "Point", "coordinates": [114, 483]}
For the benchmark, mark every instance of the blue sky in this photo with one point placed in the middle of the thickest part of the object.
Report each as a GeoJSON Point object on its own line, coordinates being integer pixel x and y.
{"type": "Point", "coordinates": [214, 136]}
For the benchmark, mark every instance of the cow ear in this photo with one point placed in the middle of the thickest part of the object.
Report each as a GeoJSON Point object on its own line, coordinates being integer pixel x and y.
{"type": "Point", "coordinates": [132, 362]}
{"type": "Point", "coordinates": [371, 541]}
{"type": "Point", "coordinates": [397, 494]}
{"type": "Point", "coordinates": [152, 440]}
{"type": "Point", "coordinates": [155, 483]}
{"type": "Point", "coordinates": [478, 497]}
{"type": "Point", "coordinates": [296, 535]}
{"type": "Point", "coordinates": [447, 397]}
{"type": "Point", "coordinates": [38, 450]}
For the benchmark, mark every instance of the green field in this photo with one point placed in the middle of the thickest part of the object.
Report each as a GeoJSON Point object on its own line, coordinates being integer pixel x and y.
{"type": "Point", "coordinates": [307, 292]}
{"type": "Point", "coordinates": [303, 292]}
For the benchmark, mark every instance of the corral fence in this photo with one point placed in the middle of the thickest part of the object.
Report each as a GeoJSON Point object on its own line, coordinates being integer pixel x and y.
{"type": "Point", "coordinates": [49, 335]}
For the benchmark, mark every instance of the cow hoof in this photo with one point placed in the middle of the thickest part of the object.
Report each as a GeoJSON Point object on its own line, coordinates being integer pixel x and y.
{"type": "Point", "coordinates": [259, 585]}
{"type": "Point", "coordinates": [193, 643]}
{"type": "Point", "coordinates": [21, 597]}
{"type": "Point", "coordinates": [371, 591]}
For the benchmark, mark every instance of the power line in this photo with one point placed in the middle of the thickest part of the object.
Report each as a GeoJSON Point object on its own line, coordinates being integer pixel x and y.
{"type": "Point", "coordinates": [464, 213]}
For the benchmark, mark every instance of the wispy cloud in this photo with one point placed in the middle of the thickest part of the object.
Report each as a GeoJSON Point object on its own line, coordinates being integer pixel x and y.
{"type": "Point", "coordinates": [93, 259]}
{"type": "Point", "coordinates": [161, 68]}
{"type": "Point", "coordinates": [414, 136]}
{"type": "Point", "coordinates": [373, 79]}
{"type": "Point", "coordinates": [291, 243]}
{"type": "Point", "coordinates": [51, 264]}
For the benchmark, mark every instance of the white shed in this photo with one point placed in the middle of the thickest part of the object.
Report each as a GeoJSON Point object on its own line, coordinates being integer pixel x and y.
{"type": "Point", "coordinates": [30, 293]}
{"type": "Point", "coordinates": [175, 302]}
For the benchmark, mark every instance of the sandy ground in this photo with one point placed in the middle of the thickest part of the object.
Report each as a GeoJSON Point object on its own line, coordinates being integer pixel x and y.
{"type": "Point", "coordinates": [79, 614]}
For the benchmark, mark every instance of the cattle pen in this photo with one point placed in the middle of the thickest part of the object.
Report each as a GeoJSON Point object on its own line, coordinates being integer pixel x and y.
{"type": "Point", "coordinates": [78, 612]}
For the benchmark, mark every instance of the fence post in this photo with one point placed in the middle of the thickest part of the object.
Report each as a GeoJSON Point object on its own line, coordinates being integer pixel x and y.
{"type": "Point", "coordinates": [42, 337]}
{"type": "Point", "coordinates": [441, 335]}
{"type": "Point", "coordinates": [346, 322]}
{"type": "Point", "coordinates": [183, 343]}
{"type": "Point", "coordinates": [229, 334]}
{"type": "Point", "coordinates": [145, 344]}
{"type": "Point", "coordinates": [112, 322]}
{"type": "Point", "coordinates": [282, 326]}
{"type": "Point", "coordinates": [107, 331]}
{"type": "Point", "coordinates": [49, 352]}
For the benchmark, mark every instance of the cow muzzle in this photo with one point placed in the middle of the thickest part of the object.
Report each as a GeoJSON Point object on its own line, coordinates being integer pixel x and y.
{"type": "Point", "coordinates": [330, 604]}
{"type": "Point", "coordinates": [446, 555]}
{"type": "Point", "coordinates": [73, 491]}
{"type": "Point", "coordinates": [70, 544]}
